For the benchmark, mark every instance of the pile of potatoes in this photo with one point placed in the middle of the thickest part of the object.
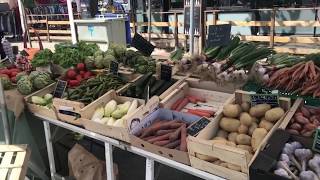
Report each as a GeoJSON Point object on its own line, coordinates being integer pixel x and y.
{"type": "Point", "coordinates": [244, 127]}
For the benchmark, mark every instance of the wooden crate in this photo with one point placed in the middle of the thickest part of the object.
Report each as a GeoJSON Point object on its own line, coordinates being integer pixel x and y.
{"type": "Point", "coordinates": [121, 133]}
{"type": "Point", "coordinates": [36, 109]}
{"type": "Point", "coordinates": [236, 156]}
{"type": "Point", "coordinates": [14, 160]}
{"type": "Point", "coordinates": [213, 98]}
{"type": "Point", "coordinates": [299, 102]}
{"type": "Point", "coordinates": [73, 108]}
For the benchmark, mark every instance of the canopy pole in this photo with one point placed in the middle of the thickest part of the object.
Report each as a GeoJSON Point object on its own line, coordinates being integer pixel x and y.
{"type": "Point", "coordinates": [71, 21]}
{"type": "Point", "coordinates": [22, 17]}
{"type": "Point", "coordinates": [191, 30]}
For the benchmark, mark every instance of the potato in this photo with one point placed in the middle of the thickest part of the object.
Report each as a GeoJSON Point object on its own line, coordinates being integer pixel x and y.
{"type": "Point", "coordinates": [253, 126]}
{"type": "Point", "coordinates": [257, 137]}
{"type": "Point", "coordinates": [243, 129]}
{"type": "Point", "coordinates": [205, 157]}
{"type": "Point", "coordinates": [243, 139]}
{"type": "Point", "coordinates": [245, 119]}
{"type": "Point", "coordinates": [230, 143]}
{"type": "Point", "coordinates": [232, 110]}
{"type": "Point", "coordinates": [219, 138]}
{"type": "Point", "coordinates": [222, 133]}
{"type": "Point", "coordinates": [232, 137]}
{"type": "Point", "coordinates": [265, 124]}
{"type": "Point", "coordinates": [229, 124]}
{"type": "Point", "coordinates": [245, 106]}
{"type": "Point", "coordinates": [234, 167]}
{"type": "Point", "coordinates": [274, 114]}
{"type": "Point", "coordinates": [245, 147]}
{"type": "Point", "coordinates": [259, 110]}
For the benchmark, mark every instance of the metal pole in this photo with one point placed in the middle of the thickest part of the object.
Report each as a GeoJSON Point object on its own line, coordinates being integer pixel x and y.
{"type": "Point", "coordinates": [4, 115]}
{"type": "Point", "coordinates": [71, 21]}
{"type": "Point", "coordinates": [191, 30]}
{"type": "Point", "coordinates": [149, 169]}
{"type": "Point", "coordinates": [109, 161]}
{"type": "Point", "coordinates": [149, 20]}
{"type": "Point", "coordinates": [21, 12]}
{"type": "Point", "coordinates": [47, 133]}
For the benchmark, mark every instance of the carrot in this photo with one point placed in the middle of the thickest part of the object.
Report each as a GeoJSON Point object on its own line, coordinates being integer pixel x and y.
{"type": "Point", "coordinates": [155, 127]}
{"type": "Point", "coordinates": [183, 103]}
{"type": "Point", "coordinates": [197, 98]}
{"type": "Point", "coordinates": [183, 139]}
{"type": "Point", "coordinates": [176, 125]}
{"type": "Point", "coordinates": [198, 113]}
{"type": "Point", "coordinates": [175, 135]}
{"type": "Point", "coordinates": [204, 111]}
{"type": "Point", "coordinates": [173, 144]}
{"type": "Point", "coordinates": [161, 143]}
{"type": "Point", "coordinates": [176, 104]}
{"type": "Point", "coordinates": [159, 138]}
{"type": "Point", "coordinates": [164, 131]}
{"type": "Point", "coordinates": [149, 137]}
{"type": "Point", "coordinates": [192, 99]}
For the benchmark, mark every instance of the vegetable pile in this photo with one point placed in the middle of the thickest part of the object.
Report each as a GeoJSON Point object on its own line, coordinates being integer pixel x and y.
{"type": "Point", "coordinates": [170, 134]}
{"type": "Point", "coordinates": [193, 105]}
{"type": "Point", "coordinates": [10, 72]}
{"type": "Point", "coordinates": [305, 121]}
{"type": "Point", "coordinates": [139, 89]}
{"type": "Point", "coordinates": [74, 76]}
{"type": "Point", "coordinates": [113, 114]}
{"type": "Point", "coordinates": [297, 162]}
{"type": "Point", "coordinates": [42, 58]}
{"type": "Point", "coordinates": [36, 80]}
{"type": "Point", "coordinates": [44, 101]}
{"type": "Point", "coordinates": [302, 78]}
{"type": "Point", "coordinates": [94, 87]}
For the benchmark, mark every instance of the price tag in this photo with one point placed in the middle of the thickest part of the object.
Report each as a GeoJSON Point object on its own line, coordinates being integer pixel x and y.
{"type": "Point", "coordinates": [316, 141]}
{"type": "Point", "coordinates": [218, 35]}
{"type": "Point", "coordinates": [114, 67]}
{"type": "Point", "coordinates": [166, 72]}
{"type": "Point", "coordinates": [196, 127]}
{"type": "Point", "coordinates": [142, 45]}
{"type": "Point", "coordinates": [60, 88]}
{"type": "Point", "coordinates": [272, 99]}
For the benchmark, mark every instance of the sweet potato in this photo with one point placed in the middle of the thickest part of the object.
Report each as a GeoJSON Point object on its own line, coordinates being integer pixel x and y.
{"type": "Point", "coordinates": [183, 138]}
{"type": "Point", "coordinates": [175, 135]}
{"type": "Point", "coordinates": [309, 127]}
{"type": "Point", "coordinates": [161, 143]}
{"type": "Point", "coordinates": [173, 144]}
{"type": "Point", "coordinates": [159, 138]}
{"type": "Point", "coordinates": [301, 119]}
{"type": "Point", "coordinates": [155, 127]}
{"type": "Point", "coordinates": [164, 131]}
{"type": "Point", "coordinates": [295, 126]}
{"type": "Point", "coordinates": [293, 131]}
{"type": "Point", "coordinates": [148, 138]}
{"type": "Point", "coordinates": [305, 111]}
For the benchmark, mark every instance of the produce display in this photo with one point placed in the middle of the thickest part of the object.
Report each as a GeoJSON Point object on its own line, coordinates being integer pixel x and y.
{"type": "Point", "coordinates": [44, 101]}
{"type": "Point", "coordinates": [139, 89]}
{"type": "Point", "coordinates": [298, 162]}
{"type": "Point", "coordinates": [94, 87]}
{"type": "Point", "coordinates": [305, 121]}
{"type": "Point", "coordinates": [170, 134]}
{"type": "Point", "coordinates": [26, 84]}
{"type": "Point", "coordinates": [193, 105]}
{"type": "Point", "coordinates": [74, 76]}
{"type": "Point", "coordinates": [113, 114]}
{"type": "Point", "coordinates": [10, 73]}
{"type": "Point", "coordinates": [42, 58]}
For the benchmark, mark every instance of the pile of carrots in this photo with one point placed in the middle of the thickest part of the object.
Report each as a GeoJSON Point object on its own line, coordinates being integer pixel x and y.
{"type": "Point", "coordinates": [302, 78]}
{"type": "Point", "coordinates": [170, 134]}
{"type": "Point", "coordinates": [182, 102]}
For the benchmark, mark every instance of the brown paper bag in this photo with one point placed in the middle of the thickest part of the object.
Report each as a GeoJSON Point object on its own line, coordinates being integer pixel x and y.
{"type": "Point", "coordinates": [84, 166]}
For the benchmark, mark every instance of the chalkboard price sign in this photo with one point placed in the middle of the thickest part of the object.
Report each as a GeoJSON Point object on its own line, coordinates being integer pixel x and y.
{"type": "Point", "coordinates": [60, 88]}
{"type": "Point", "coordinates": [218, 35]}
{"type": "Point", "coordinates": [142, 45]}
{"type": "Point", "coordinates": [114, 67]}
{"type": "Point", "coordinates": [196, 127]}
{"type": "Point", "coordinates": [166, 72]}
{"type": "Point", "coordinates": [272, 99]}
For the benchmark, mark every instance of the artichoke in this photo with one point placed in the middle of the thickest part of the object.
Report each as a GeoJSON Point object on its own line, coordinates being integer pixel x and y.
{"type": "Point", "coordinates": [6, 83]}
{"type": "Point", "coordinates": [20, 75]}
{"type": "Point", "coordinates": [107, 60]}
{"type": "Point", "coordinates": [33, 74]}
{"type": "Point", "coordinates": [24, 85]}
{"type": "Point", "coordinates": [98, 61]}
{"type": "Point", "coordinates": [89, 61]}
{"type": "Point", "coordinates": [41, 81]}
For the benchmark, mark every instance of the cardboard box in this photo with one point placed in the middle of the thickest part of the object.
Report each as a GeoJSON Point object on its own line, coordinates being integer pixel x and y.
{"type": "Point", "coordinates": [69, 111]}
{"type": "Point", "coordinates": [146, 117]}
{"type": "Point", "coordinates": [36, 109]}
{"type": "Point", "coordinates": [264, 164]}
{"type": "Point", "coordinates": [214, 99]}
{"type": "Point", "coordinates": [201, 145]}
{"type": "Point", "coordinates": [120, 133]}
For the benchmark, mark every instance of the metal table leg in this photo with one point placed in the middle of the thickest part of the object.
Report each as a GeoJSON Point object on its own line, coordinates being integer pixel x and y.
{"type": "Point", "coordinates": [47, 132]}
{"type": "Point", "coordinates": [4, 116]}
{"type": "Point", "coordinates": [149, 169]}
{"type": "Point", "coordinates": [109, 161]}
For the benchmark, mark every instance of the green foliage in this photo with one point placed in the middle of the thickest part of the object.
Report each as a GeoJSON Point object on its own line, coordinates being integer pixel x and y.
{"type": "Point", "coordinates": [42, 58]}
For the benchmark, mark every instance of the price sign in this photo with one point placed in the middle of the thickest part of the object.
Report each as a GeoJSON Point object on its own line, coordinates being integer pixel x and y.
{"type": "Point", "coordinates": [316, 141]}
{"type": "Point", "coordinates": [60, 88]}
{"type": "Point", "coordinates": [272, 99]}
{"type": "Point", "coordinates": [142, 45]}
{"type": "Point", "coordinates": [114, 67]}
{"type": "Point", "coordinates": [166, 72]}
{"type": "Point", "coordinates": [196, 127]}
{"type": "Point", "coordinates": [218, 35]}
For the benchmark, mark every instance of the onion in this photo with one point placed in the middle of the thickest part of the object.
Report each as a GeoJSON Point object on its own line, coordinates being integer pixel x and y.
{"type": "Point", "coordinates": [262, 71]}
{"type": "Point", "coordinates": [266, 77]}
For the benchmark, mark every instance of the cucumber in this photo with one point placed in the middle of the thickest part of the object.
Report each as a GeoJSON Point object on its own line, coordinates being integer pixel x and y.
{"type": "Point", "coordinates": [156, 86]}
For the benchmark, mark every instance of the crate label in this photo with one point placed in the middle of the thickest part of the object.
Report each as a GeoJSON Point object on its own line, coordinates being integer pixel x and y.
{"type": "Point", "coordinates": [196, 127]}
{"type": "Point", "coordinates": [142, 45]}
{"type": "Point", "coordinates": [70, 113]}
{"type": "Point", "coordinates": [218, 35]}
{"type": "Point", "coordinates": [316, 141]}
{"type": "Point", "coordinates": [60, 88]}
{"type": "Point", "coordinates": [114, 67]}
{"type": "Point", "coordinates": [166, 72]}
{"type": "Point", "coordinates": [271, 99]}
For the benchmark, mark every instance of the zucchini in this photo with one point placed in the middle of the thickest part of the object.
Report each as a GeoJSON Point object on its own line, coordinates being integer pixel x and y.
{"type": "Point", "coordinates": [156, 86]}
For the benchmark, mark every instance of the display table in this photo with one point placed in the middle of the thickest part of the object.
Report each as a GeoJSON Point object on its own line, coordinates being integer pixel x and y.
{"type": "Point", "coordinates": [108, 142]}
